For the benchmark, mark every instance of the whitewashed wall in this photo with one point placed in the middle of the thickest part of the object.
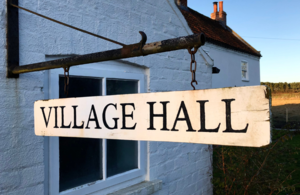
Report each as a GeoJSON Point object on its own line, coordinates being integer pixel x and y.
{"type": "Point", "coordinates": [183, 168]}
{"type": "Point", "coordinates": [229, 62]}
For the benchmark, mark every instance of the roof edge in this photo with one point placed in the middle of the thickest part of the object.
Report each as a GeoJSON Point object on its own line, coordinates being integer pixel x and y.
{"type": "Point", "coordinates": [206, 57]}
{"type": "Point", "coordinates": [245, 42]}
{"type": "Point", "coordinates": [224, 45]}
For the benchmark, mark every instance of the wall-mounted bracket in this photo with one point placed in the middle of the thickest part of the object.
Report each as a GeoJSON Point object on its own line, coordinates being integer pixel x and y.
{"type": "Point", "coordinates": [215, 70]}
{"type": "Point", "coordinates": [12, 39]}
{"type": "Point", "coordinates": [133, 50]}
{"type": "Point", "coordinates": [129, 51]}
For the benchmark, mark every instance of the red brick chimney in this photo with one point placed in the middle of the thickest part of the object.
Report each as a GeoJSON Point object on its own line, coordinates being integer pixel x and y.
{"type": "Point", "coordinates": [219, 15]}
{"type": "Point", "coordinates": [182, 2]}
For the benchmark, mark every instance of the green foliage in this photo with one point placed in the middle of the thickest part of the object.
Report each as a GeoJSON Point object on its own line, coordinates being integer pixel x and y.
{"type": "Point", "coordinates": [272, 169]}
{"type": "Point", "coordinates": [283, 87]}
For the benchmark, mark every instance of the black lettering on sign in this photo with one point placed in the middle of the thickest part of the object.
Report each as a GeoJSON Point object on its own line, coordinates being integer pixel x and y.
{"type": "Point", "coordinates": [62, 119]}
{"type": "Point", "coordinates": [185, 118]}
{"type": "Point", "coordinates": [104, 117]}
{"type": "Point", "coordinates": [75, 123]}
{"type": "Point", "coordinates": [55, 109]}
{"type": "Point", "coordinates": [46, 120]}
{"type": "Point", "coordinates": [164, 115]}
{"type": "Point", "coordinates": [202, 119]}
{"type": "Point", "coordinates": [228, 118]}
{"type": "Point", "coordinates": [93, 119]}
{"type": "Point", "coordinates": [127, 115]}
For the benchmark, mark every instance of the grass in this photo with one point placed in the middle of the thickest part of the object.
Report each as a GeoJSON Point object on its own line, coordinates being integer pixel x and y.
{"type": "Point", "coordinates": [293, 154]}
{"type": "Point", "coordinates": [286, 95]}
{"type": "Point", "coordinates": [281, 112]}
{"type": "Point", "coordinates": [273, 167]}
{"type": "Point", "coordinates": [285, 105]}
{"type": "Point", "coordinates": [283, 160]}
{"type": "Point", "coordinates": [295, 143]}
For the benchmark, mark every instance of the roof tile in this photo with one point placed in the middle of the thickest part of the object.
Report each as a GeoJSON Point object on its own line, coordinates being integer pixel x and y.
{"type": "Point", "coordinates": [215, 32]}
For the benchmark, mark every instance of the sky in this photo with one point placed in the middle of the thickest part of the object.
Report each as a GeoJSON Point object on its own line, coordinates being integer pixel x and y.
{"type": "Point", "coordinates": [270, 26]}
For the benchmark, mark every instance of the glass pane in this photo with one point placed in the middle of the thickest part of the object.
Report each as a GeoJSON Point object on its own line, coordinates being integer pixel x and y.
{"type": "Point", "coordinates": [244, 66]}
{"type": "Point", "coordinates": [81, 87]}
{"type": "Point", "coordinates": [122, 155]}
{"type": "Point", "coordinates": [116, 87]}
{"type": "Point", "coordinates": [244, 74]}
{"type": "Point", "coordinates": [80, 159]}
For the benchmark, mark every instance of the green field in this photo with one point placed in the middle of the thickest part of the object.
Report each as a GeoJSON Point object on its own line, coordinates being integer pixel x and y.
{"type": "Point", "coordinates": [292, 155]}
{"type": "Point", "coordinates": [274, 169]}
{"type": "Point", "coordinates": [286, 109]}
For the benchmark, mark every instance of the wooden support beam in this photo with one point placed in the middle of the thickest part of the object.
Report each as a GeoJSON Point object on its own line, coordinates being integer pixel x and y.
{"type": "Point", "coordinates": [127, 51]}
{"type": "Point", "coordinates": [12, 39]}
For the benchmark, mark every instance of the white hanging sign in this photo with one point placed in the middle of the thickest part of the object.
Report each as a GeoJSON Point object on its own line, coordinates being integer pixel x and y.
{"type": "Point", "coordinates": [238, 116]}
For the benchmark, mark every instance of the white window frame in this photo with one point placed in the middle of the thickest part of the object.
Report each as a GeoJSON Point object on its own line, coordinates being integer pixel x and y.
{"type": "Point", "coordinates": [247, 73]}
{"type": "Point", "coordinates": [105, 185]}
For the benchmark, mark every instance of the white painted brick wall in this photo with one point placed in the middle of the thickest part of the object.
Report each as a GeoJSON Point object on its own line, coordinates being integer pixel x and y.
{"type": "Point", "coordinates": [183, 168]}
{"type": "Point", "coordinates": [229, 62]}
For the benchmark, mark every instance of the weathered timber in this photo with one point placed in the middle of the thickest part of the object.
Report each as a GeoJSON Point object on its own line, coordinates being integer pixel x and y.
{"type": "Point", "coordinates": [127, 51]}
{"type": "Point", "coordinates": [237, 116]}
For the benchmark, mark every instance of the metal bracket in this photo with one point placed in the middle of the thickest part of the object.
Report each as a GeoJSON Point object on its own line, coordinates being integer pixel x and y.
{"type": "Point", "coordinates": [137, 47]}
{"type": "Point", "coordinates": [129, 51]}
{"type": "Point", "coordinates": [133, 50]}
{"type": "Point", "coordinates": [215, 70]}
{"type": "Point", "coordinates": [12, 39]}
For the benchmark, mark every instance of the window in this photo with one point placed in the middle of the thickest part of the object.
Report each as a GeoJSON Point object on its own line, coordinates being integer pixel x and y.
{"type": "Point", "coordinates": [84, 165]}
{"type": "Point", "coordinates": [245, 73]}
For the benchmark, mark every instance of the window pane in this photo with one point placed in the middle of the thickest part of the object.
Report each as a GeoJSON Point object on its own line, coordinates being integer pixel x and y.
{"type": "Point", "coordinates": [80, 159]}
{"type": "Point", "coordinates": [244, 74]}
{"type": "Point", "coordinates": [244, 70]}
{"type": "Point", "coordinates": [122, 155]}
{"type": "Point", "coordinates": [244, 66]}
{"type": "Point", "coordinates": [81, 87]}
{"type": "Point", "coordinates": [116, 87]}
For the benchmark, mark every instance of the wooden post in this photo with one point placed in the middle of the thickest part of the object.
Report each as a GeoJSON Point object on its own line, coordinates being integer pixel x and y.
{"type": "Point", "coordinates": [287, 115]}
{"type": "Point", "coordinates": [12, 39]}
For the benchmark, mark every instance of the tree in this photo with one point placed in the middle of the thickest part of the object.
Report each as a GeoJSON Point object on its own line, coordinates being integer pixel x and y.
{"type": "Point", "coordinates": [283, 87]}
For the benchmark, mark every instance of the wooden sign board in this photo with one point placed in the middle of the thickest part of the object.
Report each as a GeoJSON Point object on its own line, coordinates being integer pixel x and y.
{"type": "Point", "coordinates": [238, 116]}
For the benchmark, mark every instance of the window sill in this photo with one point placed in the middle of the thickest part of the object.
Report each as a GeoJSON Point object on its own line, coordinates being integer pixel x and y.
{"type": "Point", "coordinates": [245, 80]}
{"type": "Point", "coordinates": [144, 188]}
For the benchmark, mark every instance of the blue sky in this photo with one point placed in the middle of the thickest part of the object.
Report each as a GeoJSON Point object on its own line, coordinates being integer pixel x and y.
{"type": "Point", "coordinates": [276, 26]}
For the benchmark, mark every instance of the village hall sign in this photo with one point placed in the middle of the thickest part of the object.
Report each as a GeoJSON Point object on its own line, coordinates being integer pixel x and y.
{"type": "Point", "coordinates": [238, 116]}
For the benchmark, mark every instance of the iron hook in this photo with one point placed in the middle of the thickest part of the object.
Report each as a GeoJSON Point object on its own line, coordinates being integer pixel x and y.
{"type": "Point", "coordinates": [144, 38]}
{"type": "Point", "coordinates": [143, 41]}
{"type": "Point", "coordinates": [194, 81]}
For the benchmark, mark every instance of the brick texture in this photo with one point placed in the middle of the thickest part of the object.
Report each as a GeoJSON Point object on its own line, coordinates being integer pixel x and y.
{"type": "Point", "coordinates": [183, 168]}
{"type": "Point", "coordinates": [182, 2]}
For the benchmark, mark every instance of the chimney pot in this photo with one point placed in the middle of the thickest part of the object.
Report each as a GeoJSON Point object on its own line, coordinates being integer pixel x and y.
{"type": "Point", "coordinates": [219, 16]}
{"type": "Point", "coordinates": [182, 2]}
{"type": "Point", "coordinates": [215, 7]}
{"type": "Point", "coordinates": [221, 6]}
